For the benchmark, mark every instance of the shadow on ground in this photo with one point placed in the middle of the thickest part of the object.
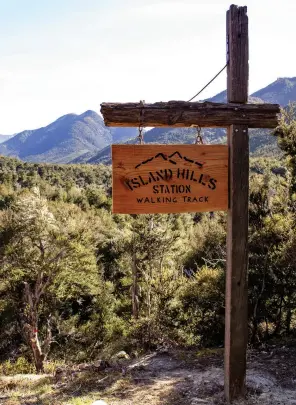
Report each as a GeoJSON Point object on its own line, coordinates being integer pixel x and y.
{"type": "Point", "coordinates": [179, 377]}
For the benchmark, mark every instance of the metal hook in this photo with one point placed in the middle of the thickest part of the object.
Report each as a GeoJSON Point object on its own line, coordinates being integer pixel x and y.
{"type": "Point", "coordinates": [140, 136]}
{"type": "Point", "coordinates": [198, 139]}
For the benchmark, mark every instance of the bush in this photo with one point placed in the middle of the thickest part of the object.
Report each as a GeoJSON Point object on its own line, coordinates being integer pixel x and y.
{"type": "Point", "coordinates": [202, 307]}
{"type": "Point", "coordinates": [20, 366]}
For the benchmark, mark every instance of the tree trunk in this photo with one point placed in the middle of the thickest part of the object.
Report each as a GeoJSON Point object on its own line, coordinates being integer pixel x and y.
{"type": "Point", "coordinates": [266, 329]}
{"type": "Point", "coordinates": [38, 355]}
{"type": "Point", "coordinates": [48, 339]}
{"type": "Point", "coordinates": [135, 298]}
{"type": "Point", "coordinates": [278, 322]}
{"type": "Point", "coordinates": [149, 292]}
{"type": "Point", "coordinates": [254, 330]}
{"type": "Point", "coordinates": [289, 316]}
{"type": "Point", "coordinates": [30, 327]}
{"type": "Point", "coordinates": [32, 340]}
{"type": "Point", "coordinates": [255, 320]}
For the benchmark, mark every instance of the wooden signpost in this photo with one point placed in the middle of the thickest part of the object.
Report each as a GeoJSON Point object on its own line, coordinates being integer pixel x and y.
{"type": "Point", "coordinates": [149, 178]}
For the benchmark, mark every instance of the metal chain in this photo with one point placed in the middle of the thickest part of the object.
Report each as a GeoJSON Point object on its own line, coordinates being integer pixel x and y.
{"type": "Point", "coordinates": [140, 137]}
{"type": "Point", "coordinates": [198, 138]}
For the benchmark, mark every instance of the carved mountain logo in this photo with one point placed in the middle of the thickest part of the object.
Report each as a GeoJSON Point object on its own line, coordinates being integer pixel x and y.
{"type": "Point", "coordinates": [168, 158]}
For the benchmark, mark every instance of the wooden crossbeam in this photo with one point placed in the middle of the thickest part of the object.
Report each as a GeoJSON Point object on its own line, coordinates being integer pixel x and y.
{"type": "Point", "coordinates": [186, 114]}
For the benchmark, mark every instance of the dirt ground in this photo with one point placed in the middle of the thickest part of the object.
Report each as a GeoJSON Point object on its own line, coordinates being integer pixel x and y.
{"type": "Point", "coordinates": [168, 378]}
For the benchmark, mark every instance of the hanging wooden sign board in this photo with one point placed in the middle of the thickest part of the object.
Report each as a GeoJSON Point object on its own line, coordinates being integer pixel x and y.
{"type": "Point", "coordinates": [150, 179]}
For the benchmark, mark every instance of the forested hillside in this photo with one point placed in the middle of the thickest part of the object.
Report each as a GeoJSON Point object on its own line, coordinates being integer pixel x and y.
{"type": "Point", "coordinates": [78, 283]}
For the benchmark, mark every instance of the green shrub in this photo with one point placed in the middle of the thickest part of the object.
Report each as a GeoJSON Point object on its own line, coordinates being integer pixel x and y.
{"type": "Point", "coordinates": [201, 313]}
{"type": "Point", "coordinates": [20, 366]}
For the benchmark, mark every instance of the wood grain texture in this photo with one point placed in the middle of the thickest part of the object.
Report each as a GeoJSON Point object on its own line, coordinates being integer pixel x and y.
{"type": "Point", "coordinates": [185, 114]}
{"type": "Point", "coordinates": [238, 56]}
{"type": "Point", "coordinates": [236, 322]}
{"type": "Point", "coordinates": [169, 178]}
{"type": "Point", "coordinates": [236, 319]}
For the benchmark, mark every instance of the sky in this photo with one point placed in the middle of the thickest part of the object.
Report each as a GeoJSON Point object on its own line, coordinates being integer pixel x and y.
{"type": "Point", "coordinates": [68, 56]}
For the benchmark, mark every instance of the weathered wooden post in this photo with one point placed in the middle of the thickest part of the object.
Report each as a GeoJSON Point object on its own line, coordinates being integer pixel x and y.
{"type": "Point", "coordinates": [236, 320]}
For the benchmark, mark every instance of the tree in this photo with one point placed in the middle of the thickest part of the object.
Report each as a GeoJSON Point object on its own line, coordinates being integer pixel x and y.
{"type": "Point", "coordinates": [270, 244]}
{"type": "Point", "coordinates": [44, 255]}
{"type": "Point", "coordinates": [201, 307]}
{"type": "Point", "coordinates": [286, 134]}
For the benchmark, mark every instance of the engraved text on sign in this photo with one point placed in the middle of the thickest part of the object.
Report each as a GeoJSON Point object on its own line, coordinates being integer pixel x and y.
{"type": "Point", "coordinates": [169, 178]}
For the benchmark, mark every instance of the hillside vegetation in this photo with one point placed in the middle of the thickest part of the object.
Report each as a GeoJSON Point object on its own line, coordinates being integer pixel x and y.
{"type": "Point", "coordinates": [78, 283]}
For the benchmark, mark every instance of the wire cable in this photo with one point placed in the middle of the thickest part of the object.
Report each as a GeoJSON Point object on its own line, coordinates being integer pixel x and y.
{"type": "Point", "coordinates": [197, 94]}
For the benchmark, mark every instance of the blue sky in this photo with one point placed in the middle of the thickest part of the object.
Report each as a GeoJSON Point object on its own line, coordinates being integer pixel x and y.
{"type": "Point", "coordinates": [64, 56]}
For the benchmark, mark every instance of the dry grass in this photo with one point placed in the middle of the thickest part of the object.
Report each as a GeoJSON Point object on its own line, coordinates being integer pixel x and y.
{"type": "Point", "coordinates": [183, 378]}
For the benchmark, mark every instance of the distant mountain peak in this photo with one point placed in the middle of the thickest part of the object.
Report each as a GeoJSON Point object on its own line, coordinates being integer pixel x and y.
{"type": "Point", "coordinates": [285, 79]}
{"type": "Point", "coordinates": [71, 137]}
{"type": "Point", "coordinates": [62, 141]}
{"type": "Point", "coordinates": [69, 116]}
{"type": "Point", "coordinates": [89, 112]}
{"type": "Point", "coordinates": [74, 116]}
{"type": "Point", "coordinates": [281, 91]}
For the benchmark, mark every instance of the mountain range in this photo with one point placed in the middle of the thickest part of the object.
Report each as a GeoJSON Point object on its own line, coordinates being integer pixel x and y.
{"type": "Point", "coordinates": [71, 137]}
{"type": "Point", "coordinates": [84, 138]}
